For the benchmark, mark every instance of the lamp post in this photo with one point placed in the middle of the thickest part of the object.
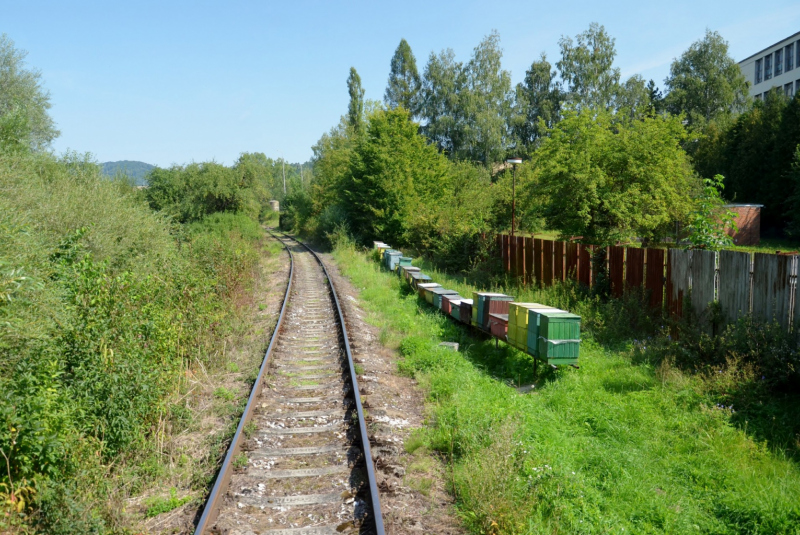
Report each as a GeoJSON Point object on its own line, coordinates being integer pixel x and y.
{"type": "Point", "coordinates": [514, 161]}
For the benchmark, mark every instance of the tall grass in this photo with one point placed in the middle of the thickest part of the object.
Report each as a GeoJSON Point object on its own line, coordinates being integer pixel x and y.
{"type": "Point", "coordinates": [622, 445]}
{"type": "Point", "coordinates": [104, 305]}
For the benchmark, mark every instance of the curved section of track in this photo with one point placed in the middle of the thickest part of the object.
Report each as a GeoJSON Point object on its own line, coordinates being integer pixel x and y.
{"type": "Point", "coordinates": [300, 461]}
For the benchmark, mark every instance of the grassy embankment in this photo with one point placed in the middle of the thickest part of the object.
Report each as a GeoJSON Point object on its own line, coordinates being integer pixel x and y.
{"type": "Point", "coordinates": [107, 312]}
{"type": "Point", "coordinates": [626, 444]}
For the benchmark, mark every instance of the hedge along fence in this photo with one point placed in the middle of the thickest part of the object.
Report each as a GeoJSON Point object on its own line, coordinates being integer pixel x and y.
{"type": "Point", "coordinates": [763, 285]}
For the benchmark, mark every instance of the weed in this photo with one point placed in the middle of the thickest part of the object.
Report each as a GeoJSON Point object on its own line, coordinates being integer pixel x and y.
{"type": "Point", "coordinates": [232, 367]}
{"type": "Point", "coordinates": [224, 394]}
{"type": "Point", "coordinates": [240, 461]}
{"type": "Point", "coordinates": [157, 505]}
{"type": "Point", "coordinates": [249, 429]}
{"type": "Point", "coordinates": [359, 369]}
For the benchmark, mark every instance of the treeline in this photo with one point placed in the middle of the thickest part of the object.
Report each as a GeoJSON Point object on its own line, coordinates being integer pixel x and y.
{"type": "Point", "coordinates": [606, 159]}
{"type": "Point", "coordinates": [109, 298]}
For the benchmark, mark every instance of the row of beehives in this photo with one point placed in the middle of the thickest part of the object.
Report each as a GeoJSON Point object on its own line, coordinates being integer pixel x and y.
{"type": "Point", "coordinates": [547, 333]}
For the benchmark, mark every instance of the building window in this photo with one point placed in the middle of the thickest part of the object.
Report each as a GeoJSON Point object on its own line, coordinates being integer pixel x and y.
{"type": "Point", "coordinates": [759, 63]}
{"type": "Point", "coordinates": [779, 62]}
{"type": "Point", "coordinates": [787, 89]}
{"type": "Point", "coordinates": [757, 97]}
{"type": "Point", "coordinates": [797, 86]}
{"type": "Point", "coordinates": [789, 57]}
{"type": "Point", "coordinates": [768, 67]}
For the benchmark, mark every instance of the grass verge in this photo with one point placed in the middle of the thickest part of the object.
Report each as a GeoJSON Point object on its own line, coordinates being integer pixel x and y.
{"type": "Point", "coordinates": [622, 445]}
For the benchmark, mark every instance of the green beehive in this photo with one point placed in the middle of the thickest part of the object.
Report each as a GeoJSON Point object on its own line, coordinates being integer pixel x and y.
{"type": "Point", "coordinates": [455, 309]}
{"type": "Point", "coordinates": [559, 338]}
{"type": "Point", "coordinates": [534, 321]}
{"type": "Point", "coordinates": [405, 261]}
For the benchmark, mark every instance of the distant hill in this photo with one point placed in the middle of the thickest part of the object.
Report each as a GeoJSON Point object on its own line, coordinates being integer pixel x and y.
{"type": "Point", "coordinates": [136, 170]}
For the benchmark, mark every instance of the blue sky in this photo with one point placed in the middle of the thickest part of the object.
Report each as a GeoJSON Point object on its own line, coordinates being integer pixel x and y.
{"type": "Point", "coordinates": [173, 82]}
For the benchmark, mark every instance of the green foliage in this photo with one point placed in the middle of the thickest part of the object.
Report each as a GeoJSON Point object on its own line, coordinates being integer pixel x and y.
{"type": "Point", "coordinates": [794, 201]}
{"type": "Point", "coordinates": [707, 225]}
{"type": "Point", "coordinates": [706, 83]}
{"type": "Point", "coordinates": [394, 176]}
{"type": "Point", "coordinates": [761, 143]}
{"type": "Point", "coordinates": [404, 81]}
{"type": "Point", "coordinates": [157, 504]}
{"type": "Point", "coordinates": [538, 98]}
{"type": "Point", "coordinates": [586, 66]}
{"type": "Point", "coordinates": [24, 104]}
{"type": "Point", "coordinates": [192, 192]}
{"type": "Point", "coordinates": [607, 181]}
{"type": "Point", "coordinates": [101, 312]}
{"type": "Point", "coordinates": [355, 110]}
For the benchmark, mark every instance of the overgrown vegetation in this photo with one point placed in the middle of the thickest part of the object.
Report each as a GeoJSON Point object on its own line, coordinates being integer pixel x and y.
{"type": "Point", "coordinates": [106, 308]}
{"type": "Point", "coordinates": [651, 435]}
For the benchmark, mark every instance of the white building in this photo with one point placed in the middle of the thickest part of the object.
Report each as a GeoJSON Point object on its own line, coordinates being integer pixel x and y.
{"type": "Point", "coordinates": [775, 67]}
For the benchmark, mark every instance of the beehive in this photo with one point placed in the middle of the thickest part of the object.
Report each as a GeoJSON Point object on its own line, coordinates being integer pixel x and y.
{"type": "Point", "coordinates": [498, 325]}
{"type": "Point", "coordinates": [438, 293]}
{"type": "Point", "coordinates": [423, 287]}
{"type": "Point", "coordinates": [465, 311]}
{"type": "Point", "coordinates": [534, 320]}
{"type": "Point", "coordinates": [558, 340]}
{"type": "Point", "coordinates": [447, 302]}
{"type": "Point", "coordinates": [455, 307]}
{"type": "Point", "coordinates": [518, 323]}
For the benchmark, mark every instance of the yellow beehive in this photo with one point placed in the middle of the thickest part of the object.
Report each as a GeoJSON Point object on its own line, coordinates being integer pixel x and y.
{"type": "Point", "coordinates": [518, 329]}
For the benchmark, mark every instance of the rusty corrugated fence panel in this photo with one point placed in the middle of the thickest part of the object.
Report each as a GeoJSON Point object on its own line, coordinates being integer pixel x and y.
{"type": "Point", "coordinates": [616, 262]}
{"type": "Point", "coordinates": [512, 255]}
{"type": "Point", "coordinates": [547, 262]}
{"type": "Point", "coordinates": [520, 256]}
{"type": "Point", "coordinates": [528, 260]}
{"type": "Point", "coordinates": [679, 279]}
{"type": "Point", "coordinates": [571, 263]}
{"type": "Point", "coordinates": [654, 282]}
{"type": "Point", "coordinates": [537, 260]}
{"type": "Point", "coordinates": [704, 268]}
{"type": "Point", "coordinates": [585, 253]}
{"type": "Point", "coordinates": [771, 287]}
{"type": "Point", "coordinates": [558, 261]}
{"type": "Point", "coordinates": [734, 284]}
{"type": "Point", "coordinates": [634, 267]}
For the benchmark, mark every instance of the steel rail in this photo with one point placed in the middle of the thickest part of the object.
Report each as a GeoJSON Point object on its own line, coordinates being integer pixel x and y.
{"type": "Point", "coordinates": [373, 485]}
{"type": "Point", "coordinates": [211, 509]}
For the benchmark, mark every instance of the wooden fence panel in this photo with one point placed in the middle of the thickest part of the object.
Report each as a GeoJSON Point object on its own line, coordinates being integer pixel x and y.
{"type": "Point", "coordinates": [634, 267]}
{"type": "Point", "coordinates": [528, 260]}
{"type": "Point", "coordinates": [558, 261]}
{"type": "Point", "coordinates": [547, 262]}
{"type": "Point", "coordinates": [616, 263]}
{"type": "Point", "coordinates": [520, 257]}
{"type": "Point", "coordinates": [704, 270]}
{"type": "Point", "coordinates": [654, 282]}
{"type": "Point", "coordinates": [571, 264]}
{"type": "Point", "coordinates": [772, 287]}
{"type": "Point", "coordinates": [679, 279]}
{"type": "Point", "coordinates": [537, 260]}
{"type": "Point", "coordinates": [504, 249]}
{"type": "Point", "coordinates": [512, 255]}
{"type": "Point", "coordinates": [585, 264]}
{"type": "Point", "coordinates": [734, 284]}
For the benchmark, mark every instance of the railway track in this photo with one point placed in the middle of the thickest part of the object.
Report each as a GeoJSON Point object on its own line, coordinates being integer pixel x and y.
{"type": "Point", "coordinates": [300, 462]}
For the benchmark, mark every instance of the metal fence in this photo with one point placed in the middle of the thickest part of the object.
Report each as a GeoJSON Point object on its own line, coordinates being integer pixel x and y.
{"type": "Point", "coordinates": [763, 285]}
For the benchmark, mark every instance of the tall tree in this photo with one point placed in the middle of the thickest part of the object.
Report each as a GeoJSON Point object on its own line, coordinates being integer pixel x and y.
{"type": "Point", "coordinates": [439, 103]}
{"type": "Point", "coordinates": [355, 110]}
{"type": "Point", "coordinates": [485, 103]}
{"type": "Point", "coordinates": [404, 81]}
{"type": "Point", "coordinates": [587, 68]}
{"type": "Point", "coordinates": [633, 98]}
{"type": "Point", "coordinates": [24, 121]}
{"type": "Point", "coordinates": [538, 97]}
{"type": "Point", "coordinates": [706, 83]}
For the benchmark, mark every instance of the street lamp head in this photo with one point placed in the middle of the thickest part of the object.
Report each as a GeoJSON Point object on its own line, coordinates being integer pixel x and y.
{"type": "Point", "coordinates": [514, 160]}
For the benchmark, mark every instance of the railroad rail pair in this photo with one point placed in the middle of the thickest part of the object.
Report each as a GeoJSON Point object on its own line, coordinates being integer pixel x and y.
{"type": "Point", "coordinates": [300, 460]}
